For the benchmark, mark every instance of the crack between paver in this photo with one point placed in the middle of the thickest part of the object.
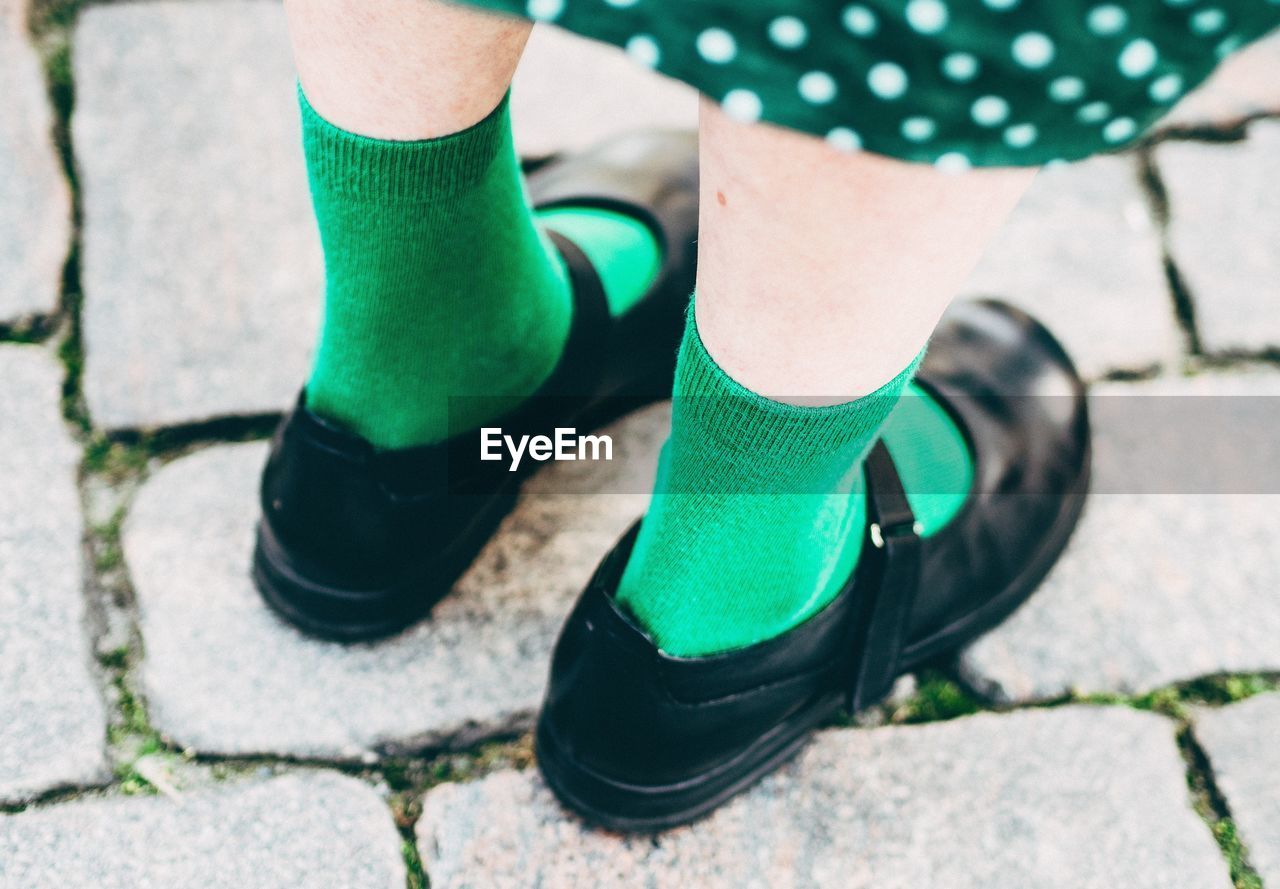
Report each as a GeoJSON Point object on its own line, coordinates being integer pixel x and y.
{"type": "Point", "coordinates": [1157, 197]}
{"type": "Point", "coordinates": [178, 438]}
{"type": "Point", "coordinates": [1268, 356]}
{"type": "Point", "coordinates": [1236, 131]}
{"type": "Point", "coordinates": [29, 329]}
{"type": "Point", "coordinates": [1212, 807]}
{"type": "Point", "coordinates": [1218, 135]}
{"type": "Point", "coordinates": [1181, 292]}
{"type": "Point", "coordinates": [1131, 374]}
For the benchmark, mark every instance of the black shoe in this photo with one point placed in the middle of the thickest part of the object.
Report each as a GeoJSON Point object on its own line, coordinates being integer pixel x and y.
{"type": "Point", "coordinates": [635, 739]}
{"type": "Point", "coordinates": [357, 543]}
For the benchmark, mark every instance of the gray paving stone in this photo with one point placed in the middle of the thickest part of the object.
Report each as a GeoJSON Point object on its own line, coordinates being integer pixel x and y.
{"type": "Point", "coordinates": [314, 830]}
{"type": "Point", "coordinates": [1244, 87]}
{"type": "Point", "coordinates": [1223, 232]}
{"type": "Point", "coordinates": [52, 723]}
{"type": "Point", "coordinates": [35, 204]}
{"type": "Point", "coordinates": [202, 268]}
{"type": "Point", "coordinates": [222, 674]}
{"type": "Point", "coordinates": [571, 93]}
{"type": "Point", "coordinates": [1082, 254]}
{"type": "Point", "coordinates": [1154, 587]}
{"type": "Point", "coordinates": [1240, 741]}
{"type": "Point", "coordinates": [1077, 798]}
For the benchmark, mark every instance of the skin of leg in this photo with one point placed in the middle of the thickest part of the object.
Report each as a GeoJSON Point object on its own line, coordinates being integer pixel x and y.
{"type": "Point", "coordinates": [821, 274]}
{"type": "Point", "coordinates": [403, 69]}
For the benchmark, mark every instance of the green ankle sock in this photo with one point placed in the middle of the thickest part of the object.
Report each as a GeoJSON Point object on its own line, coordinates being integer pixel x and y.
{"type": "Point", "coordinates": [622, 250]}
{"type": "Point", "coordinates": [932, 456]}
{"type": "Point", "coordinates": [439, 282]}
{"type": "Point", "coordinates": [716, 567]}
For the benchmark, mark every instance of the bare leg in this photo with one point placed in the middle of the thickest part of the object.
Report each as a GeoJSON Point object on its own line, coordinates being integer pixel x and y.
{"type": "Point", "coordinates": [403, 69]}
{"type": "Point", "coordinates": [821, 274]}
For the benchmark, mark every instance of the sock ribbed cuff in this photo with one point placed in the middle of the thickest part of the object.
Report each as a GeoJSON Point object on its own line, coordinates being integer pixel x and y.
{"type": "Point", "coordinates": [339, 161]}
{"type": "Point", "coordinates": [713, 411]}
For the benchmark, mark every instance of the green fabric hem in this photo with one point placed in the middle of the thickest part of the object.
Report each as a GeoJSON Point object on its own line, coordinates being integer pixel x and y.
{"type": "Point", "coordinates": [415, 171]}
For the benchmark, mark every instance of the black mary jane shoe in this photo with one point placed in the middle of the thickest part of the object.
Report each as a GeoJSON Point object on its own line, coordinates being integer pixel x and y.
{"type": "Point", "coordinates": [634, 739]}
{"type": "Point", "coordinates": [356, 543]}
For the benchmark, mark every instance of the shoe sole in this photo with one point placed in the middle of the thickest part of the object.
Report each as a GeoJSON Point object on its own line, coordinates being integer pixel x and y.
{"type": "Point", "coordinates": [630, 808]}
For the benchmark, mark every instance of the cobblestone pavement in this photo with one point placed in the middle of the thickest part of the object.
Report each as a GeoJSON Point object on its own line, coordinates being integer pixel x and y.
{"type": "Point", "coordinates": [158, 293]}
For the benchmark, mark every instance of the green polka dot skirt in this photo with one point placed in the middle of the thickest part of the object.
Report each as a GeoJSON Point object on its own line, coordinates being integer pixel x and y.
{"type": "Point", "coordinates": [951, 82]}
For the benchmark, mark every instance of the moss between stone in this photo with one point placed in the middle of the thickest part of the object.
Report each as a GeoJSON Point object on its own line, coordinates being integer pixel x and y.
{"type": "Point", "coordinates": [49, 15]}
{"type": "Point", "coordinates": [115, 461]}
{"type": "Point", "coordinates": [417, 877]}
{"type": "Point", "coordinates": [1243, 876]}
{"type": "Point", "coordinates": [108, 551]}
{"type": "Point", "coordinates": [27, 331]}
{"type": "Point", "coordinates": [1208, 803]}
{"type": "Point", "coordinates": [130, 733]}
{"type": "Point", "coordinates": [938, 697]}
{"type": "Point", "coordinates": [1209, 691]}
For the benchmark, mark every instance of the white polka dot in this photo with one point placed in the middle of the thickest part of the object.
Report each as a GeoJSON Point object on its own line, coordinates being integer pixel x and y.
{"type": "Point", "coordinates": [621, 4]}
{"type": "Point", "coordinates": [1208, 21]}
{"type": "Point", "coordinates": [1107, 20]}
{"type": "Point", "coordinates": [1094, 112]}
{"type": "Point", "coordinates": [844, 139]}
{"type": "Point", "coordinates": [860, 20]}
{"type": "Point", "coordinates": [1119, 130]}
{"type": "Point", "coordinates": [1000, 4]}
{"type": "Point", "coordinates": [1228, 46]}
{"type": "Point", "coordinates": [644, 49]}
{"type": "Point", "coordinates": [545, 10]}
{"type": "Point", "coordinates": [788, 32]}
{"type": "Point", "coordinates": [817, 87]}
{"type": "Point", "coordinates": [918, 129]}
{"type": "Point", "coordinates": [1066, 89]}
{"type": "Point", "coordinates": [887, 80]}
{"type": "Point", "coordinates": [742, 105]}
{"type": "Point", "coordinates": [960, 67]}
{"type": "Point", "coordinates": [1138, 58]}
{"type": "Point", "coordinates": [1021, 135]}
{"type": "Point", "coordinates": [990, 111]}
{"type": "Point", "coordinates": [927, 16]}
{"type": "Point", "coordinates": [717, 46]}
{"type": "Point", "coordinates": [1166, 88]}
{"type": "Point", "coordinates": [953, 162]}
{"type": "Point", "coordinates": [1033, 50]}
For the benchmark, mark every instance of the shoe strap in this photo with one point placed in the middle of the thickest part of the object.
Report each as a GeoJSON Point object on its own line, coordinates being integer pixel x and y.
{"type": "Point", "coordinates": [895, 534]}
{"type": "Point", "coordinates": [588, 342]}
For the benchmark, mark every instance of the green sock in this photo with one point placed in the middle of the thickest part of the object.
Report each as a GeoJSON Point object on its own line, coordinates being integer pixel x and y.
{"type": "Point", "coordinates": [717, 567]}
{"type": "Point", "coordinates": [439, 281]}
{"type": "Point", "coordinates": [622, 250]}
{"type": "Point", "coordinates": [932, 456]}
